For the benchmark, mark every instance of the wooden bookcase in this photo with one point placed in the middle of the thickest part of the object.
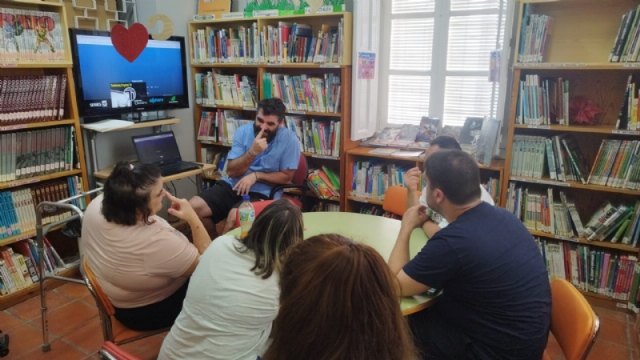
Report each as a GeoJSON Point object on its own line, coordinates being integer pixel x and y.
{"type": "Point", "coordinates": [355, 201]}
{"type": "Point", "coordinates": [34, 65]}
{"type": "Point", "coordinates": [258, 67]}
{"type": "Point", "coordinates": [578, 47]}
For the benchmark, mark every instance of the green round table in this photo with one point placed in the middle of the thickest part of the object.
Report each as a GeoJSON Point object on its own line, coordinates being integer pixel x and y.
{"type": "Point", "coordinates": [376, 231]}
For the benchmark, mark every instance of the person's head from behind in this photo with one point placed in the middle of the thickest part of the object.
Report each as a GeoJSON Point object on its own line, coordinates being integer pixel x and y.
{"type": "Point", "coordinates": [338, 300]}
{"type": "Point", "coordinates": [452, 175]}
{"type": "Point", "coordinates": [132, 193]}
{"type": "Point", "coordinates": [442, 142]}
{"type": "Point", "coordinates": [275, 229]}
{"type": "Point", "coordinates": [269, 117]}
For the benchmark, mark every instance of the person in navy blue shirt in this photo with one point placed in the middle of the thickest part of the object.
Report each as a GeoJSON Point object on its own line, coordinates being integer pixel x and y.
{"type": "Point", "coordinates": [496, 299]}
{"type": "Point", "coordinates": [262, 153]}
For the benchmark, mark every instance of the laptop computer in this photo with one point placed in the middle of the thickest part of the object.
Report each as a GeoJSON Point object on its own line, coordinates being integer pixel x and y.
{"type": "Point", "coordinates": [161, 149]}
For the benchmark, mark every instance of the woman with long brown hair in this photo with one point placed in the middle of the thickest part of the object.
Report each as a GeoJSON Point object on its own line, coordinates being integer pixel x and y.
{"type": "Point", "coordinates": [338, 301]}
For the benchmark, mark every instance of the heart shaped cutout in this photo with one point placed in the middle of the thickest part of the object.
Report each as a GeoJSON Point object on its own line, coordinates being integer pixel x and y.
{"type": "Point", "coordinates": [129, 42]}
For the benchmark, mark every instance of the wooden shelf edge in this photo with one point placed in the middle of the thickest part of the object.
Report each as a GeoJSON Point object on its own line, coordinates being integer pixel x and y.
{"type": "Point", "coordinates": [290, 112]}
{"type": "Point", "coordinates": [35, 125]}
{"type": "Point", "coordinates": [269, 66]}
{"type": "Point", "coordinates": [598, 129]}
{"type": "Point", "coordinates": [39, 178]}
{"type": "Point", "coordinates": [574, 185]}
{"type": "Point", "coordinates": [581, 241]}
{"type": "Point", "coordinates": [17, 64]}
{"type": "Point", "coordinates": [364, 200]}
{"type": "Point", "coordinates": [16, 297]}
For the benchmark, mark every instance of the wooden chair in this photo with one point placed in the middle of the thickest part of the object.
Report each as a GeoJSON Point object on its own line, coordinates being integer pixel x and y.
{"type": "Point", "coordinates": [111, 351]}
{"type": "Point", "coordinates": [574, 324]}
{"type": "Point", "coordinates": [395, 200]}
{"type": "Point", "coordinates": [112, 329]}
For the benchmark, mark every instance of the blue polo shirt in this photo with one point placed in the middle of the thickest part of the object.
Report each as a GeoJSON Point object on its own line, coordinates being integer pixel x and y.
{"type": "Point", "coordinates": [495, 286]}
{"type": "Point", "coordinates": [283, 153]}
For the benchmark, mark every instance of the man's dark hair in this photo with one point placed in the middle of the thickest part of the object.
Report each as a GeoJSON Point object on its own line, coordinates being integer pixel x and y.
{"type": "Point", "coordinates": [455, 173]}
{"type": "Point", "coordinates": [446, 142]}
{"type": "Point", "coordinates": [272, 106]}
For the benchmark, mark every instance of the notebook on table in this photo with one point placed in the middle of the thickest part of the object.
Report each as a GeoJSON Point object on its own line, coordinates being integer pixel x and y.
{"type": "Point", "coordinates": [161, 149]}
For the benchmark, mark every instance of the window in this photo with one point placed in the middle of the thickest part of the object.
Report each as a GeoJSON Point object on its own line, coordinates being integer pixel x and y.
{"type": "Point", "coordinates": [435, 59]}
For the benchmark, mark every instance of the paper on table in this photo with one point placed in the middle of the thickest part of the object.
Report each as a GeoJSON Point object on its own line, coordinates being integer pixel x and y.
{"type": "Point", "coordinates": [108, 125]}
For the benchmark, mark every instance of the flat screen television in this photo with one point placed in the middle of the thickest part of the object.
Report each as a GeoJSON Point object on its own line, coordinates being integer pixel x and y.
{"type": "Point", "coordinates": [108, 85]}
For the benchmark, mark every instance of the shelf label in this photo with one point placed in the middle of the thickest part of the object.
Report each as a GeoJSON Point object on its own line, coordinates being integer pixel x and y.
{"type": "Point", "coordinates": [317, 156]}
{"type": "Point", "coordinates": [233, 15]}
{"type": "Point", "coordinates": [272, 12]}
{"type": "Point", "coordinates": [625, 132]}
{"type": "Point", "coordinates": [544, 127]}
{"type": "Point", "coordinates": [299, 112]}
{"type": "Point", "coordinates": [330, 65]}
{"type": "Point", "coordinates": [540, 181]}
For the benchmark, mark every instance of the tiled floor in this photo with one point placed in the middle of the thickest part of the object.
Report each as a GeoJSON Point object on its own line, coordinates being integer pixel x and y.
{"type": "Point", "coordinates": [74, 330]}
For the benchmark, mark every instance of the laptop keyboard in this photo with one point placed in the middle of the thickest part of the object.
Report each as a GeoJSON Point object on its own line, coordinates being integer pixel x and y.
{"type": "Point", "coordinates": [170, 169]}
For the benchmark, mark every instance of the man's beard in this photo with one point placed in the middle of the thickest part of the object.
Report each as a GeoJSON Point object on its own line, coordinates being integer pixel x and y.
{"type": "Point", "coordinates": [268, 134]}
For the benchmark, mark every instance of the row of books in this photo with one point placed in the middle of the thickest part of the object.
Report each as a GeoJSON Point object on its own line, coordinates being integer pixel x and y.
{"type": "Point", "coordinates": [18, 207]}
{"type": "Point", "coordinates": [32, 98]}
{"type": "Point", "coordinates": [543, 101]}
{"type": "Point", "coordinates": [617, 164]}
{"type": "Point", "coordinates": [626, 45]}
{"type": "Point", "coordinates": [220, 125]}
{"type": "Point", "coordinates": [371, 178]}
{"type": "Point", "coordinates": [540, 210]}
{"type": "Point", "coordinates": [628, 118]}
{"type": "Point", "coordinates": [593, 270]}
{"type": "Point", "coordinates": [19, 265]}
{"type": "Point", "coordinates": [534, 36]}
{"type": "Point", "coordinates": [281, 44]}
{"type": "Point", "coordinates": [376, 210]}
{"type": "Point", "coordinates": [317, 136]}
{"type": "Point", "coordinates": [214, 88]}
{"type": "Point", "coordinates": [304, 92]}
{"type": "Point", "coordinates": [557, 156]}
{"type": "Point", "coordinates": [325, 206]}
{"type": "Point", "coordinates": [324, 182]}
{"type": "Point", "coordinates": [30, 153]}
{"type": "Point", "coordinates": [217, 157]}
{"type": "Point", "coordinates": [31, 36]}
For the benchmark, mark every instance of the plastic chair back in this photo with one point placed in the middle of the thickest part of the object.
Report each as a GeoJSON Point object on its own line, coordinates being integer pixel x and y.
{"type": "Point", "coordinates": [574, 324]}
{"type": "Point", "coordinates": [395, 200]}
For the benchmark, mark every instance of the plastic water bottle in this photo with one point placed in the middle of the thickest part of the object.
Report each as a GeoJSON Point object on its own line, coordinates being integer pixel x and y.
{"type": "Point", "coordinates": [246, 214]}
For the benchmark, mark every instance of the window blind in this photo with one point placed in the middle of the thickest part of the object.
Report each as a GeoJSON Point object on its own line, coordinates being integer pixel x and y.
{"type": "Point", "coordinates": [438, 59]}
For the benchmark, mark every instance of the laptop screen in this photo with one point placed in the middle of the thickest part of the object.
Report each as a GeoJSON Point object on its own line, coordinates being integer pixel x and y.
{"type": "Point", "coordinates": [159, 148]}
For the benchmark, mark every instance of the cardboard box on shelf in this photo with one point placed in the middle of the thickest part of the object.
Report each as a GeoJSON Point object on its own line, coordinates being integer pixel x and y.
{"type": "Point", "coordinates": [214, 7]}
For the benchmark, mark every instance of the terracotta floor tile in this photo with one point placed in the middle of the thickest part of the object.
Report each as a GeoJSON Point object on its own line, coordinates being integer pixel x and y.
{"type": "Point", "coordinates": [87, 337]}
{"type": "Point", "coordinates": [610, 351]}
{"type": "Point", "coordinates": [30, 309]}
{"type": "Point", "coordinates": [614, 331]}
{"type": "Point", "coordinates": [8, 321]}
{"type": "Point", "coordinates": [610, 314]}
{"type": "Point", "coordinates": [59, 350]}
{"type": "Point", "coordinates": [147, 348]}
{"type": "Point", "coordinates": [69, 317]}
{"type": "Point", "coordinates": [23, 339]}
{"type": "Point", "coordinates": [73, 291]}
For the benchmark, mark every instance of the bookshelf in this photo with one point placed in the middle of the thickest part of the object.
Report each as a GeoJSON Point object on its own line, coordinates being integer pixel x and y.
{"type": "Point", "coordinates": [558, 170]}
{"type": "Point", "coordinates": [388, 169]}
{"type": "Point", "coordinates": [281, 56]}
{"type": "Point", "coordinates": [40, 139]}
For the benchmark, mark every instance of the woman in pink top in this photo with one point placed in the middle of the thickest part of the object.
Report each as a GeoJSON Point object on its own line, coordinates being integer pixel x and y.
{"type": "Point", "coordinates": [142, 263]}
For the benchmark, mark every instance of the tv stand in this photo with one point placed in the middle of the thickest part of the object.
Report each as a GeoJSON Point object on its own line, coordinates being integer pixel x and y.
{"type": "Point", "coordinates": [133, 116]}
{"type": "Point", "coordinates": [91, 134]}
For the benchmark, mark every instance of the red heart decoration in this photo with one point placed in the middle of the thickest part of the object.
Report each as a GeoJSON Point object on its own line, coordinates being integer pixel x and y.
{"type": "Point", "coordinates": [129, 42]}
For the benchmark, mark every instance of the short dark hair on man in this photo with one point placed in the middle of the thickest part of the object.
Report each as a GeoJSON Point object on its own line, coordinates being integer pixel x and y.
{"type": "Point", "coordinates": [455, 173]}
{"type": "Point", "coordinates": [446, 142]}
{"type": "Point", "coordinates": [272, 106]}
{"type": "Point", "coordinates": [126, 192]}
